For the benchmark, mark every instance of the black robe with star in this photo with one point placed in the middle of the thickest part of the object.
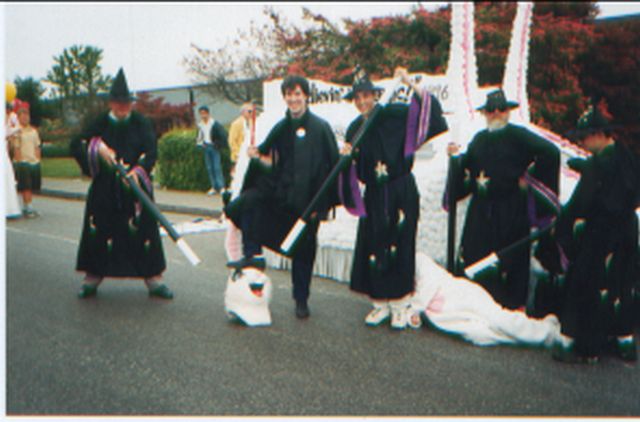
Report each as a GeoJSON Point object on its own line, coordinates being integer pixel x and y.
{"type": "Point", "coordinates": [499, 213]}
{"type": "Point", "coordinates": [119, 238]}
{"type": "Point", "coordinates": [384, 257]}
{"type": "Point", "coordinates": [303, 152]}
{"type": "Point", "coordinates": [598, 230]}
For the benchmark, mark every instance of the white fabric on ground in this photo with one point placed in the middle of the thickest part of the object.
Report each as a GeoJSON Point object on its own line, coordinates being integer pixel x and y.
{"type": "Point", "coordinates": [459, 306]}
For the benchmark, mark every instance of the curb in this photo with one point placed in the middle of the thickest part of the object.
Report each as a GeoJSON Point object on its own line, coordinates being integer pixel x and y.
{"type": "Point", "coordinates": [179, 209]}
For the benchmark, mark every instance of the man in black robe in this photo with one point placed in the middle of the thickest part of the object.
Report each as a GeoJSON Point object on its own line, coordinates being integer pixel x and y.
{"type": "Point", "coordinates": [598, 231]}
{"type": "Point", "coordinates": [384, 258]}
{"type": "Point", "coordinates": [286, 171]}
{"type": "Point", "coordinates": [500, 165]}
{"type": "Point", "coordinates": [119, 237]}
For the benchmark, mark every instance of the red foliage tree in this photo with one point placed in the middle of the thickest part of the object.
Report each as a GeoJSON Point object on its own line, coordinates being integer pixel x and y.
{"type": "Point", "coordinates": [164, 116]}
{"type": "Point", "coordinates": [612, 72]}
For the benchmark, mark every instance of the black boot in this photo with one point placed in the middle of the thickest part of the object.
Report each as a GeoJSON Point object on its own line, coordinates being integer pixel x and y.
{"type": "Point", "coordinates": [257, 262]}
{"type": "Point", "coordinates": [302, 310]}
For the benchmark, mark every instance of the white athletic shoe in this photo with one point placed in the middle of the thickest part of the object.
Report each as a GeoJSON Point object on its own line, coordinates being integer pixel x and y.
{"type": "Point", "coordinates": [399, 318]}
{"type": "Point", "coordinates": [414, 319]}
{"type": "Point", "coordinates": [377, 316]}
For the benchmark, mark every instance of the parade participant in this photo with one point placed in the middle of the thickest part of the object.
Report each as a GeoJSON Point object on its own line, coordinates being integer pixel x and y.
{"type": "Point", "coordinates": [384, 258]}
{"type": "Point", "coordinates": [213, 139]}
{"type": "Point", "coordinates": [238, 128]}
{"type": "Point", "coordinates": [598, 230]}
{"type": "Point", "coordinates": [462, 307]}
{"type": "Point", "coordinates": [500, 164]}
{"type": "Point", "coordinates": [26, 160]}
{"type": "Point", "coordinates": [293, 161]}
{"type": "Point", "coordinates": [119, 238]}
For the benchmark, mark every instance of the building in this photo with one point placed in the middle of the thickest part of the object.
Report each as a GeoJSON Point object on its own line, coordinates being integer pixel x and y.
{"type": "Point", "coordinates": [221, 108]}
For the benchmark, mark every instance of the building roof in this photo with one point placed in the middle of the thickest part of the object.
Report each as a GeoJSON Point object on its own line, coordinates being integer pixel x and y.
{"type": "Point", "coordinates": [619, 18]}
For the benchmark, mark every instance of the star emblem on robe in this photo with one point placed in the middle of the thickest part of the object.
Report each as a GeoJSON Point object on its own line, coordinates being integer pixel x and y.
{"type": "Point", "coordinates": [381, 170]}
{"type": "Point", "coordinates": [482, 180]}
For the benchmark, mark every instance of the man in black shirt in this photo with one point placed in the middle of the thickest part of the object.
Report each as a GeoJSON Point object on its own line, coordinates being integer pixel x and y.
{"type": "Point", "coordinates": [286, 171]}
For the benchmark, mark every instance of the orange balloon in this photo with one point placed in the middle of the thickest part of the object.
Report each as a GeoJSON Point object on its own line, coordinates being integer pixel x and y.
{"type": "Point", "coordinates": [9, 92]}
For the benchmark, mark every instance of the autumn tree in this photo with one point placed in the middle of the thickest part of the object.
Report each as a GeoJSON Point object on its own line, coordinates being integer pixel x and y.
{"type": "Point", "coordinates": [611, 71]}
{"type": "Point", "coordinates": [562, 35]}
{"type": "Point", "coordinates": [164, 116]}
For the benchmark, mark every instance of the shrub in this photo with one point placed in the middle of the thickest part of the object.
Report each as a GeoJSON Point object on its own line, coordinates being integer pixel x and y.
{"type": "Point", "coordinates": [181, 165]}
{"type": "Point", "coordinates": [59, 149]}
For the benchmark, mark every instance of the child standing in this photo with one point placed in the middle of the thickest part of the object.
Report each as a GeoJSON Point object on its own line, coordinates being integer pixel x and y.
{"type": "Point", "coordinates": [26, 160]}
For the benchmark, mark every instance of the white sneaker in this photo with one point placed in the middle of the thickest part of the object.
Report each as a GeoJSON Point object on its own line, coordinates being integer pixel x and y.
{"type": "Point", "coordinates": [414, 319]}
{"type": "Point", "coordinates": [377, 316]}
{"type": "Point", "coordinates": [399, 319]}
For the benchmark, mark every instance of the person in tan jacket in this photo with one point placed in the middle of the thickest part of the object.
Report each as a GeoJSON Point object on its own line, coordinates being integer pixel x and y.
{"type": "Point", "coordinates": [238, 128]}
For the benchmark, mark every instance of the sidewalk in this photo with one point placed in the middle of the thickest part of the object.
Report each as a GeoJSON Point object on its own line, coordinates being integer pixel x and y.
{"type": "Point", "coordinates": [184, 202]}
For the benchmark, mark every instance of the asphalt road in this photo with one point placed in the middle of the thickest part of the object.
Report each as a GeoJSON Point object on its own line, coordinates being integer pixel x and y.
{"type": "Point", "coordinates": [125, 354]}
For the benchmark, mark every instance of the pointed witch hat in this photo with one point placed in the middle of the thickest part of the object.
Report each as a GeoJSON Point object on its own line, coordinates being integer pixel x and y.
{"type": "Point", "coordinates": [591, 121]}
{"type": "Point", "coordinates": [120, 90]}
{"type": "Point", "coordinates": [361, 82]}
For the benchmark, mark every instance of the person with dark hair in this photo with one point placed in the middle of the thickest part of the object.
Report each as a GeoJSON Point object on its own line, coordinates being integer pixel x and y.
{"type": "Point", "coordinates": [598, 231]}
{"type": "Point", "coordinates": [502, 167]}
{"type": "Point", "coordinates": [288, 169]}
{"type": "Point", "coordinates": [120, 238]}
{"type": "Point", "coordinates": [212, 138]}
{"type": "Point", "coordinates": [384, 258]}
{"type": "Point", "coordinates": [292, 81]}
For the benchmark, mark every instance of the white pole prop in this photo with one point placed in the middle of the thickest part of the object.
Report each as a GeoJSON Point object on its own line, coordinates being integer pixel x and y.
{"type": "Point", "coordinates": [300, 225]}
{"type": "Point", "coordinates": [187, 251]}
{"type": "Point", "coordinates": [485, 262]}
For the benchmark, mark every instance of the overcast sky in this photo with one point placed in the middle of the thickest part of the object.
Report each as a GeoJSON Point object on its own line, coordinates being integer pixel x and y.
{"type": "Point", "coordinates": [151, 40]}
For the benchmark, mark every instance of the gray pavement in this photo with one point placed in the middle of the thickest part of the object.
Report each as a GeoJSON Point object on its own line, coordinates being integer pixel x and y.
{"type": "Point", "coordinates": [125, 354]}
{"type": "Point", "coordinates": [185, 202]}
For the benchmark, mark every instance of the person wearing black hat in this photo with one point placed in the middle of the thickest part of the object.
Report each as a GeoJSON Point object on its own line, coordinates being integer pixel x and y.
{"type": "Point", "coordinates": [501, 166]}
{"type": "Point", "coordinates": [293, 161]}
{"type": "Point", "coordinates": [119, 237]}
{"type": "Point", "coordinates": [598, 230]}
{"type": "Point", "coordinates": [384, 258]}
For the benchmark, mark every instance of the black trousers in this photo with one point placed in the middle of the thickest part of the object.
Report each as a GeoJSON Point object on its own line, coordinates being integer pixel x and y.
{"type": "Point", "coordinates": [267, 223]}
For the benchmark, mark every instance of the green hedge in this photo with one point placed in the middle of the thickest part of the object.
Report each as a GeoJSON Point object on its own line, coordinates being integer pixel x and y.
{"type": "Point", "coordinates": [58, 149]}
{"type": "Point", "coordinates": [181, 164]}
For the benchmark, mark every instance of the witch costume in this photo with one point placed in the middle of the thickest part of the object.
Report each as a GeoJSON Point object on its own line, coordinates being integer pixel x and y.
{"type": "Point", "coordinates": [498, 170]}
{"type": "Point", "coordinates": [303, 152]}
{"type": "Point", "coordinates": [598, 230]}
{"type": "Point", "coordinates": [119, 237]}
{"type": "Point", "coordinates": [384, 258]}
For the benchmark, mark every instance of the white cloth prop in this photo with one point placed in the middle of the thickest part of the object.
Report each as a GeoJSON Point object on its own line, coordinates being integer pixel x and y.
{"type": "Point", "coordinates": [460, 306]}
{"type": "Point", "coordinates": [12, 202]}
{"type": "Point", "coordinates": [247, 297]}
{"type": "Point", "coordinates": [248, 293]}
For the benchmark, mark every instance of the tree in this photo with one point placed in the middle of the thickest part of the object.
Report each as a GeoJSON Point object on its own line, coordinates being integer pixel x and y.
{"type": "Point", "coordinates": [236, 70]}
{"type": "Point", "coordinates": [164, 116]}
{"type": "Point", "coordinates": [562, 33]}
{"type": "Point", "coordinates": [77, 77]}
{"type": "Point", "coordinates": [611, 71]}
